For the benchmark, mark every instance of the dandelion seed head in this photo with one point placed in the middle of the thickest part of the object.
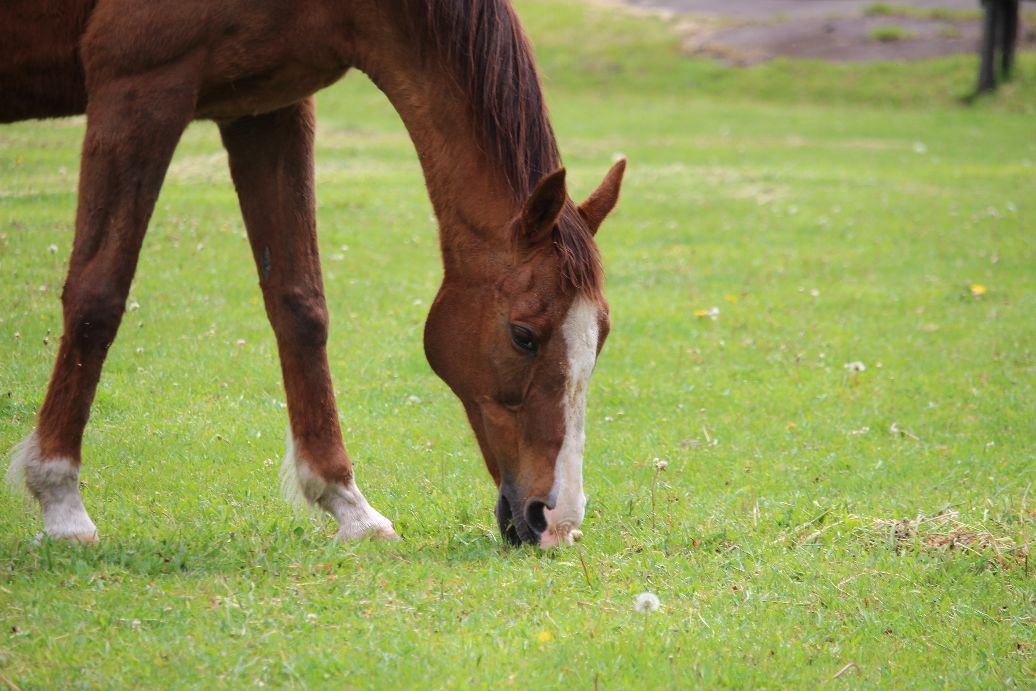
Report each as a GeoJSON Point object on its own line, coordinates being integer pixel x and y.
{"type": "Point", "coordinates": [646, 603]}
{"type": "Point", "coordinates": [855, 366]}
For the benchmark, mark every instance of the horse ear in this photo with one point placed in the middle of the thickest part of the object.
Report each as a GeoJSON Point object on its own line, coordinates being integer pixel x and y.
{"type": "Point", "coordinates": [600, 203]}
{"type": "Point", "coordinates": [543, 207]}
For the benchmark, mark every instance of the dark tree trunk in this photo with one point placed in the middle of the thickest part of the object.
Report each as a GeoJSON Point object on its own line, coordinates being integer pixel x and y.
{"type": "Point", "coordinates": [1009, 36]}
{"type": "Point", "coordinates": [987, 51]}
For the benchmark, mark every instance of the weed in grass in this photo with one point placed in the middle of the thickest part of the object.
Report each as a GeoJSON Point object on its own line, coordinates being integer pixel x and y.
{"type": "Point", "coordinates": [885, 9]}
{"type": "Point", "coordinates": [890, 33]}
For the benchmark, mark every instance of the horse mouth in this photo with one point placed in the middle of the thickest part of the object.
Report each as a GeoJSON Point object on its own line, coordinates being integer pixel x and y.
{"type": "Point", "coordinates": [513, 526]}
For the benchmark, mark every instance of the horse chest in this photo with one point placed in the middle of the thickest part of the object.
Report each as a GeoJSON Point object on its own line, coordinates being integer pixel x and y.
{"type": "Point", "coordinates": [263, 91]}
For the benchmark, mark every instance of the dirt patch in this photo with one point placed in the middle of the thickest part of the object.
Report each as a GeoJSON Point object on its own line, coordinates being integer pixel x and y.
{"type": "Point", "coordinates": [751, 31]}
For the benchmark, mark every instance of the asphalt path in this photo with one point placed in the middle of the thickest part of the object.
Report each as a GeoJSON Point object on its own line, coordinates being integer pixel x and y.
{"type": "Point", "coordinates": [749, 31]}
{"type": "Point", "coordinates": [806, 9]}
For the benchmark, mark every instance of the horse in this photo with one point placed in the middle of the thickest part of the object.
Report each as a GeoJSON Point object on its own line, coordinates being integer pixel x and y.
{"type": "Point", "coordinates": [519, 320]}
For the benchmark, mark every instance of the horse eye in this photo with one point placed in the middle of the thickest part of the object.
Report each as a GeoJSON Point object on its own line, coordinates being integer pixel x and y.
{"type": "Point", "coordinates": [523, 339]}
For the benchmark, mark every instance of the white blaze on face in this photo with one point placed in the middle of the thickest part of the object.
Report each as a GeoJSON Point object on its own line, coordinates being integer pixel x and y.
{"type": "Point", "coordinates": [581, 331]}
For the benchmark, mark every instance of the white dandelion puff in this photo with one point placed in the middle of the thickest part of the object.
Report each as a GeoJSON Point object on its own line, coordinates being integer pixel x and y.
{"type": "Point", "coordinates": [646, 603]}
{"type": "Point", "coordinates": [855, 366]}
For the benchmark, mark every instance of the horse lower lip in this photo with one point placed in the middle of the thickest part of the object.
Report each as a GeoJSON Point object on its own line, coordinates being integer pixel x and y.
{"type": "Point", "coordinates": [505, 520]}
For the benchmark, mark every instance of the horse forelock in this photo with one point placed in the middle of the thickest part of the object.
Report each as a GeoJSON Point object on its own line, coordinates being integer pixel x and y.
{"type": "Point", "coordinates": [483, 46]}
{"type": "Point", "coordinates": [578, 256]}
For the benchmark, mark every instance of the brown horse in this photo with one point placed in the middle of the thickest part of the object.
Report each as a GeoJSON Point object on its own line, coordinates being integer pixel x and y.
{"type": "Point", "coordinates": [520, 318]}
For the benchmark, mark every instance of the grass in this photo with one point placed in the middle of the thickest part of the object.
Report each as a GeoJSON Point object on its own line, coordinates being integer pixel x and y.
{"type": "Point", "coordinates": [814, 521]}
{"type": "Point", "coordinates": [886, 9]}
{"type": "Point", "coordinates": [890, 34]}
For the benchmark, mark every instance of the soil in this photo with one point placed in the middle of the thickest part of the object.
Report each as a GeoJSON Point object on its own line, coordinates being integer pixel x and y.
{"type": "Point", "coordinates": [745, 32]}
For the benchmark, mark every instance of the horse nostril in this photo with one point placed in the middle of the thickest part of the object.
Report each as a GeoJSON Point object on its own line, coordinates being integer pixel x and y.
{"type": "Point", "coordinates": [534, 515]}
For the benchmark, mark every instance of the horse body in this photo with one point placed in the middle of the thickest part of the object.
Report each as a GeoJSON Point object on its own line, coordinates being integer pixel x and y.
{"type": "Point", "coordinates": [519, 319]}
{"type": "Point", "coordinates": [41, 73]}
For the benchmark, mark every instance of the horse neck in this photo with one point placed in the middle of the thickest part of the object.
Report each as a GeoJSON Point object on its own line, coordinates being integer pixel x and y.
{"type": "Point", "coordinates": [473, 199]}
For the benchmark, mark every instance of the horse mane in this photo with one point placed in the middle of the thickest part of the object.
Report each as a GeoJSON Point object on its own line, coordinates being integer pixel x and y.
{"type": "Point", "coordinates": [483, 46]}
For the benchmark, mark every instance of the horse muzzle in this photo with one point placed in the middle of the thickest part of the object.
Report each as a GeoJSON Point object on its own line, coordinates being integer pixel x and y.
{"type": "Point", "coordinates": [535, 522]}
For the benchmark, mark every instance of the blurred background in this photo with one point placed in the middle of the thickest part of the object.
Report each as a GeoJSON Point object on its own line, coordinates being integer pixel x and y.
{"type": "Point", "coordinates": [749, 31]}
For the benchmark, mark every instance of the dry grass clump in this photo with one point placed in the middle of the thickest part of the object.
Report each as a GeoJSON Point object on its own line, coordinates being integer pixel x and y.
{"type": "Point", "coordinates": [945, 532]}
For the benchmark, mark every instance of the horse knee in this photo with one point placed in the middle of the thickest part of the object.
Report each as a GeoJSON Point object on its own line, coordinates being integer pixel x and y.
{"type": "Point", "coordinates": [303, 317]}
{"type": "Point", "coordinates": [92, 316]}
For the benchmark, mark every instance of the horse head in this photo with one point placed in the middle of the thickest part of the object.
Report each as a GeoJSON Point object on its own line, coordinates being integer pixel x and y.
{"type": "Point", "coordinates": [518, 349]}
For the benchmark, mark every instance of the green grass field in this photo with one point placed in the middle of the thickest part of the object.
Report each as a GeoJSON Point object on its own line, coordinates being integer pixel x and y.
{"type": "Point", "coordinates": [815, 524]}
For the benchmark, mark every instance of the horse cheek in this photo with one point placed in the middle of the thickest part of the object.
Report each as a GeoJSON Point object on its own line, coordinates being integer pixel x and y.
{"type": "Point", "coordinates": [449, 344]}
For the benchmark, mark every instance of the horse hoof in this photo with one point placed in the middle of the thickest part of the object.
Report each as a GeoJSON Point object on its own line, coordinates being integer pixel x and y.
{"type": "Point", "coordinates": [90, 539]}
{"type": "Point", "coordinates": [84, 539]}
{"type": "Point", "coordinates": [373, 532]}
{"type": "Point", "coordinates": [388, 534]}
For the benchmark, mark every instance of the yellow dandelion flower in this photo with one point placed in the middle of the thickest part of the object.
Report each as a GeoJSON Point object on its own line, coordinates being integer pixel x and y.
{"type": "Point", "coordinates": [712, 313]}
{"type": "Point", "coordinates": [978, 290]}
{"type": "Point", "coordinates": [544, 636]}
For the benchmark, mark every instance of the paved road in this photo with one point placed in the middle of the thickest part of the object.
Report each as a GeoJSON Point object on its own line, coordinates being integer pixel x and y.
{"type": "Point", "coordinates": [820, 29]}
{"type": "Point", "coordinates": [813, 9]}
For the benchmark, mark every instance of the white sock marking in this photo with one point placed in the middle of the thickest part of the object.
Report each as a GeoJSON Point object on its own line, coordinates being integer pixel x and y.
{"type": "Point", "coordinates": [303, 488]}
{"type": "Point", "coordinates": [54, 483]}
{"type": "Point", "coordinates": [581, 332]}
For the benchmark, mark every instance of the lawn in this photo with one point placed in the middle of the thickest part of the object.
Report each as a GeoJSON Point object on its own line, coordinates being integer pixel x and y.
{"type": "Point", "coordinates": [819, 521]}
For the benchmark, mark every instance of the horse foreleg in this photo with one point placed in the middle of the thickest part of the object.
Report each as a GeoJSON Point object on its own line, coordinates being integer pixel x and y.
{"type": "Point", "coordinates": [132, 128]}
{"type": "Point", "coordinates": [271, 161]}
